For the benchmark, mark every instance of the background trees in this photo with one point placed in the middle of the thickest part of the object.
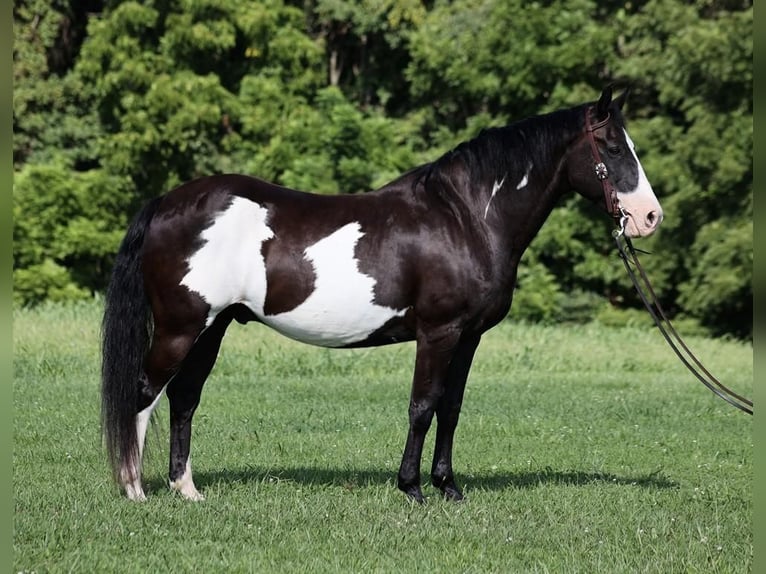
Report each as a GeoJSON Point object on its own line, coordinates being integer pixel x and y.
{"type": "Point", "coordinates": [117, 101]}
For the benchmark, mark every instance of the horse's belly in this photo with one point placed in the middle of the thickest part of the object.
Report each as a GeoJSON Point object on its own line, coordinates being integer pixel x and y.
{"type": "Point", "coordinates": [331, 325]}
{"type": "Point", "coordinates": [341, 309]}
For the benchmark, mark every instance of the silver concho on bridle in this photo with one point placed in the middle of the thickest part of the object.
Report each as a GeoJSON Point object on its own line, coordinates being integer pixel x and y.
{"type": "Point", "coordinates": [601, 172]}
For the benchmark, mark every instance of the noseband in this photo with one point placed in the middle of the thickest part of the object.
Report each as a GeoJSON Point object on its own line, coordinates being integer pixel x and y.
{"type": "Point", "coordinates": [602, 173]}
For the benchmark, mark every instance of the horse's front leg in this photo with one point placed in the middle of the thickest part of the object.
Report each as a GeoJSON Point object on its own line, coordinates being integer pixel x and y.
{"type": "Point", "coordinates": [447, 414]}
{"type": "Point", "coordinates": [432, 359]}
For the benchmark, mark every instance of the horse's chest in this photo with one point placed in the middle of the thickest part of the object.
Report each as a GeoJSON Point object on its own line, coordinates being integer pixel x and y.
{"type": "Point", "coordinates": [324, 300]}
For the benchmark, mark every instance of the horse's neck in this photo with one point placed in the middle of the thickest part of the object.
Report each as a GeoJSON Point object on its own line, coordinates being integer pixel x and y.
{"type": "Point", "coordinates": [518, 204]}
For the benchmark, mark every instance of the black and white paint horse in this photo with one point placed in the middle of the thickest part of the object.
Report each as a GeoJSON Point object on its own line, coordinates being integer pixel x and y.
{"type": "Point", "coordinates": [430, 257]}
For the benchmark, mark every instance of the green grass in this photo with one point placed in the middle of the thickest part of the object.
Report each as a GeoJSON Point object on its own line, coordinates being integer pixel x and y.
{"type": "Point", "coordinates": [580, 449]}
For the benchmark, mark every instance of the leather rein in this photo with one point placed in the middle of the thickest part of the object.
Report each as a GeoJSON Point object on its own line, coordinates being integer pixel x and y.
{"type": "Point", "coordinates": [644, 288]}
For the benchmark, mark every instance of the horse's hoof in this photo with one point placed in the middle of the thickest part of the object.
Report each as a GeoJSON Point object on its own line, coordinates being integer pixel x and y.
{"type": "Point", "coordinates": [194, 496]}
{"type": "Point", "coordinates": [134, 491]}
{"type": "Point", "coordinates": [448, 487]}
{"type": "Point", "coordinates": [453, 494]}
{"type": "Point", "coordinates": [414, 494]}
{"type": "Point", "coordinates": [187, 489]}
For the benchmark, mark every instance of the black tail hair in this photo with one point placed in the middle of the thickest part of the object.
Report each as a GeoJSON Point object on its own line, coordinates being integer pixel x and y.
{"type": "Point", "coordinates": [126, 332]}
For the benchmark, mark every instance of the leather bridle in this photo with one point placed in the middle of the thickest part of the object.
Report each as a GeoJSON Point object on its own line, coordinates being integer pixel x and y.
{"type": "Point", "coordinates": [602, 173]}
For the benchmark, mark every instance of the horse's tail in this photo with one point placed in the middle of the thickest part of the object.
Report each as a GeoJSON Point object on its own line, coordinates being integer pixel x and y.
{"type": "Point", "coordinates": [126, 333]}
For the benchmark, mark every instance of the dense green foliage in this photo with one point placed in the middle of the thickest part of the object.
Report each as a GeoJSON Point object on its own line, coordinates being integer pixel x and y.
{"type": "Point", "coordinates": [117, 101]}
{"type": "Point", "coordinates": [575, 455]}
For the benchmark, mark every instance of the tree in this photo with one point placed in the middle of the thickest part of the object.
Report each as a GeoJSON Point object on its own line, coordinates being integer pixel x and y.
{"type": "Point", "coordinates": [127, 99]}
{"type": "Point", "coordinates": [365, 44]}
{"type": "Point", "coordinates": [51, 109]}
{"type": "Point", "coordinates": [67, 227]}
{"type": "Point", "coordinates": [509, 59]}
{"type": "Point", "coordinates": [692, 65]}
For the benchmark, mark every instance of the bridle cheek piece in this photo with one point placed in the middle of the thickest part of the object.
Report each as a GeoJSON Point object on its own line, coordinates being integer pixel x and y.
{"type": "Point", "coordinates": [602, 173]}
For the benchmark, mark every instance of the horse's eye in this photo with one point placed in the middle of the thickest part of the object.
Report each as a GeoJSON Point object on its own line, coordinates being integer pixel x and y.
{"type": "Point", "coordinates": [614, 150]}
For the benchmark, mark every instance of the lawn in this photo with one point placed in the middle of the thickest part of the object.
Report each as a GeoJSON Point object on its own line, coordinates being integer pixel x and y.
{"type": "Point", "coordinates": [581, 448]}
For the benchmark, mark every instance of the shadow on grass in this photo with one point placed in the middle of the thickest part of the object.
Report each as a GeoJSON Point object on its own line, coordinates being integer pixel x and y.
{"type": "Point", "coordinates": [350, 478]}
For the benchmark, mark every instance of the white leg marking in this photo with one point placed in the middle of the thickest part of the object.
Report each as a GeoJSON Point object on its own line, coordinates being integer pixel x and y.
{"type": "Point", "coordinates": [135, 492]}
{"type": "Point", "coordinates": [495, 188]}
{"type": "Point", "coordinates": [185, 484]}
{"type": "Point", "coordinates": [133, 488]}
{"type": "Point", "coordinates": [142, 423]}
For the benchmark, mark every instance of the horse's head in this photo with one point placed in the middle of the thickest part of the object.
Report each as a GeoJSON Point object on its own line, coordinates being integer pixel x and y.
{"type": "Point", "coordinates": [604, 168]}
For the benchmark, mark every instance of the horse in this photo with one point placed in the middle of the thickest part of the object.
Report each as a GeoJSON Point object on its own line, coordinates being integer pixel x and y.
{"type": "Point", "coordinates": [431, 257]}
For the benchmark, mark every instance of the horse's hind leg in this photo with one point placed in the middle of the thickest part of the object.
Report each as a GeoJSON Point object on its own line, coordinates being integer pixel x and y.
{"type": "Point", "coordinates": [131, 477]}
{"type": "Point", "coordinates": [184, 392]}
{"type": "Point", "coordinates": [165, 354]}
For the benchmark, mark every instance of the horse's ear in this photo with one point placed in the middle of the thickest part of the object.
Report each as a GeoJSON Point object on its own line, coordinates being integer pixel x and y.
{"type": "Point", "coordinates": [622, 98]}
{"type": "Point", "coordinates": [602, 107]}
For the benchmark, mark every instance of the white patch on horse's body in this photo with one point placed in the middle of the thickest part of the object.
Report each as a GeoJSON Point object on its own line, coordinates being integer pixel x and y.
{"type": "Point", "coordinates": [524, 180]}
{"type": "Point", "coordinates": [640, 201]}
{"type": "Point", "coordinates": [495, 188]}
{"type": "Point", "coordinates": [341, 309]}
{"type": "Point", "coordinates": [229, 268]}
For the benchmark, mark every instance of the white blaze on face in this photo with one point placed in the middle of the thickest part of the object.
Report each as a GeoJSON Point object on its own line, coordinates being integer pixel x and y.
{"type": "Point", "coordinates": [229, 268]}
{"type": "Point", "coordinates": [641, 205]}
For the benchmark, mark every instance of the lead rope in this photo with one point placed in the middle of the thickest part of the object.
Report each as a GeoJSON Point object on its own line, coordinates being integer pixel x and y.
{"type": "Point", "coordinates": [651, 302]}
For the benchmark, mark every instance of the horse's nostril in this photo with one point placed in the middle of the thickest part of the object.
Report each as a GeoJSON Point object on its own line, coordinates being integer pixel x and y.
{"type": "Point", "coordinates": [651, 218]}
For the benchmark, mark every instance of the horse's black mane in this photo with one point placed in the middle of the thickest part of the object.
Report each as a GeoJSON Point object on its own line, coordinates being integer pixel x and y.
{"type": "Point", "coordinates": [510, 149]}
